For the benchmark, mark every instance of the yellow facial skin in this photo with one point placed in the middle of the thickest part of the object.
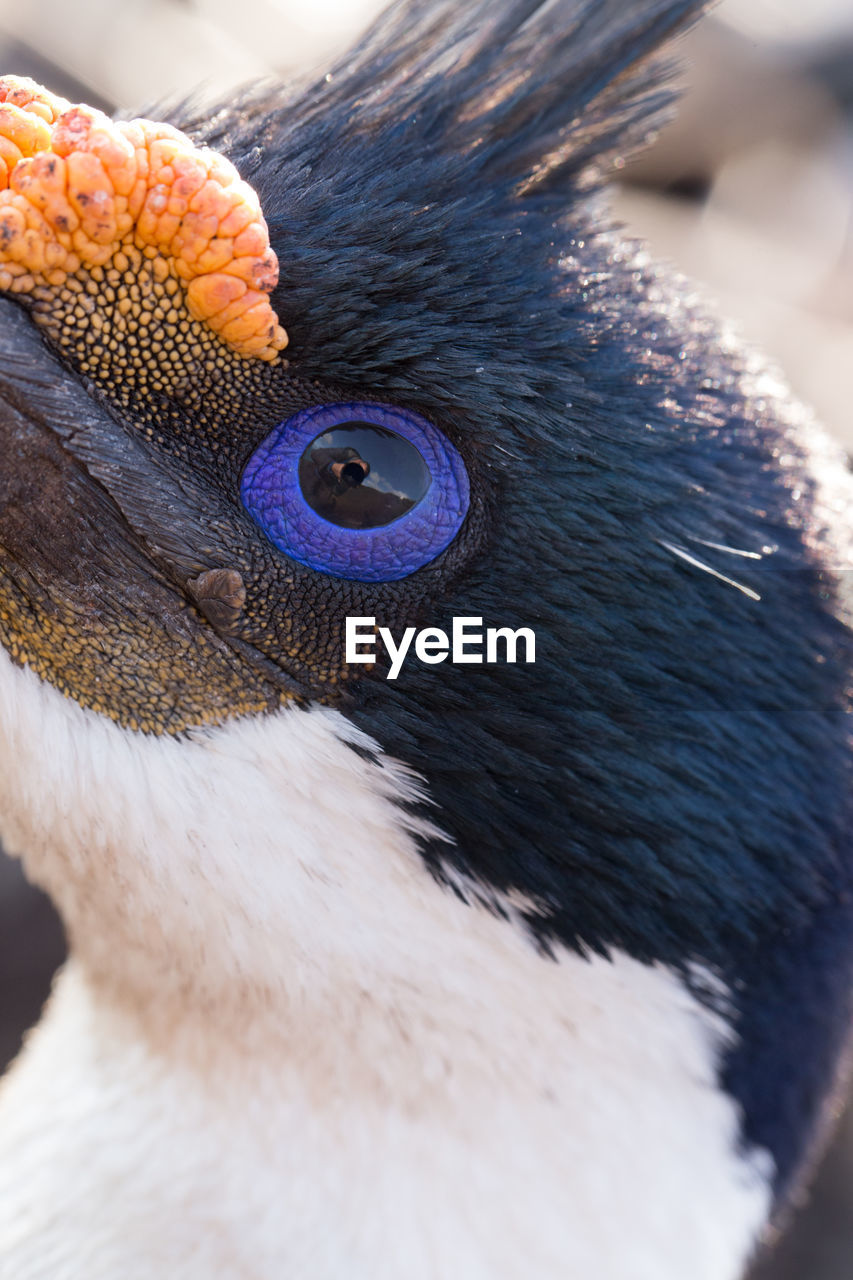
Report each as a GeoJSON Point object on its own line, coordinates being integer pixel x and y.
{"type": "Point", "coordinates": [81, 193]}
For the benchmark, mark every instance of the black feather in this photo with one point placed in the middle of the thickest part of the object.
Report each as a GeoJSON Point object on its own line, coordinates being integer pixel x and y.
{"type": "Point", "coordinates": [530, 92]}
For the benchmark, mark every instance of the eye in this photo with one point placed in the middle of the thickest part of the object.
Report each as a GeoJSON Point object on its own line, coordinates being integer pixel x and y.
{"type": "Point", "coordinates": [360, 491]}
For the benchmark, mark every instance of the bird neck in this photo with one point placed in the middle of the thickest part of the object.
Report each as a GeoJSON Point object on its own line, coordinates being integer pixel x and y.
{"type": "Point", "coordinates": [282, 1005]}
{"type": "Point", "coordinates": [261, 877]}
{"type": "Point", "coordinates": [248, 876]}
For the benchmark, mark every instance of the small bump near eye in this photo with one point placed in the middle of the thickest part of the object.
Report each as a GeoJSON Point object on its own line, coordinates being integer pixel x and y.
{"type": "Point", "coordinates": [360, 491]}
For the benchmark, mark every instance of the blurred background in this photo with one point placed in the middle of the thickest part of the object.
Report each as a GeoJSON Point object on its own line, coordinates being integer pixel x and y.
{"type": "Point", "coordinates": [750, 191]}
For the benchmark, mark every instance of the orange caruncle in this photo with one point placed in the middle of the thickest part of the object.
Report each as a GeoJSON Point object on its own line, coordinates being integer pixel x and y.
{"type": "Point", "coordinates": [77, 189]}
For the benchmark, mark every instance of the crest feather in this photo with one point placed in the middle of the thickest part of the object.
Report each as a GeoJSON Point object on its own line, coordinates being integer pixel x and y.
{"type": "Point", "coordinates": [530, 85]}
{"type": "Point", "coordinates": [526, 90]}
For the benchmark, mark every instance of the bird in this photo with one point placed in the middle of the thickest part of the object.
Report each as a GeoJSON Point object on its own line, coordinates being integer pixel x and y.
{"type": "Point", "coordinates": [499, 968]}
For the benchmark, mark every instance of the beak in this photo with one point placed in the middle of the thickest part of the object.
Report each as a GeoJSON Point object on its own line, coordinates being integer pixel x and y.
{"type": "Point", "coordinates": [87, 600]}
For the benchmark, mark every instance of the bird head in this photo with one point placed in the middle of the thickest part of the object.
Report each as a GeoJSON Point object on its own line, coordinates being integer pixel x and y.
{"type": "Point", "coordinates": [407, 269]}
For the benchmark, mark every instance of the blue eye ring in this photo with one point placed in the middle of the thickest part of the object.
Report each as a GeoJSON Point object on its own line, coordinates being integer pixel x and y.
{"type": "Point", "coordinates": [271, 493]}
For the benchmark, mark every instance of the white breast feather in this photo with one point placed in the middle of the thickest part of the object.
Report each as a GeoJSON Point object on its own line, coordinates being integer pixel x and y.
{"type": "Point", "coordinates": [283, 1052]}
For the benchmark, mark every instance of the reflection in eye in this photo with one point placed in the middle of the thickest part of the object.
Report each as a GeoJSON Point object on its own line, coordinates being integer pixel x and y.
{"type": "Point", "coordinates": [361, 476]}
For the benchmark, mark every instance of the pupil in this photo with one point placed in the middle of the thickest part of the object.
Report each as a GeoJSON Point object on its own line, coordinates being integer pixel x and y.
{"type": "Point", "coordinates": [355, 472]}
{"type": "Point", "coordinates": [360, 476]}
